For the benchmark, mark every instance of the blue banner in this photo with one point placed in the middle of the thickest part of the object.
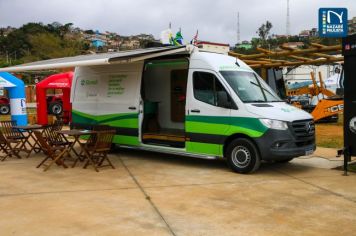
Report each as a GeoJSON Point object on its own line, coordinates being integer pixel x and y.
{"type": "Point", "coordinates": [333, 22]}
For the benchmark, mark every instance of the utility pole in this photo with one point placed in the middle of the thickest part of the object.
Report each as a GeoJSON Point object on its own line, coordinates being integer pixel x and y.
{"type": "Point", "coordinates": [238, 27]}
{"type": "Point", "coordinates": [288, 20]}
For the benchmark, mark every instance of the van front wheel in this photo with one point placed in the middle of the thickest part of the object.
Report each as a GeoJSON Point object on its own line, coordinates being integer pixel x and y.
{"type": "Point", "coordinates": [242, 156]}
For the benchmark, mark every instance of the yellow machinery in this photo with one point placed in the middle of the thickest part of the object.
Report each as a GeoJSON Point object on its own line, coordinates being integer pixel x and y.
{"type": "Point", "coordinates": [317, 54]}
{"type": "Point", "coordinates": [328, 107]}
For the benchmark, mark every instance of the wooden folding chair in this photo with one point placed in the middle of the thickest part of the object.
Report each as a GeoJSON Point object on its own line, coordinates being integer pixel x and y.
{"type": "Point", "coordinates": [102, 128]}
{"type": "Point", "coordinates": [14, 135]}
{"type": "Point", "coordinates": [92, 139]}
{"type": "Point", "coordinates": [7, 148]}
{"type": "Point", "coordinates": [96, 154]}
{"type": "Point", "coordinates": [53, 138]}
{"type": "Point", "coordinates": [51, 152]}
{"type": "Point", "coordinates": [57, 125]}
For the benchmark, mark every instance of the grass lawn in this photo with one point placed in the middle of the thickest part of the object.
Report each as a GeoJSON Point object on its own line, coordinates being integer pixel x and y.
{"type": "Point", "coordinates": [330, 135]}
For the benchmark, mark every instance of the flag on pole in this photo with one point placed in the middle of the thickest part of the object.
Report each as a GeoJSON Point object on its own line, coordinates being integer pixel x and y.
{"type": "Point", "coordinates": [166, 37]}
{"type": "Point", "coordinates": [195, 39]}
{"type": "Point", "coordinates": [178, 40]}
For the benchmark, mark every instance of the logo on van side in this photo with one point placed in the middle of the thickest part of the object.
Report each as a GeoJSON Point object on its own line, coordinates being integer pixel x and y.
{"type": "Point", "coordinates": [88, 82]}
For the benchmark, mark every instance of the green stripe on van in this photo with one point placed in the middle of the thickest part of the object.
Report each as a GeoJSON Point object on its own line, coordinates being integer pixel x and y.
{"type": "Point", "coordinates": [126, 140]}
{"type": "Point", "coordinates": [204, 148]}
{"type": "Point", "coordinates": [125, 123]}
{"type": "Point", "coordinates": [79, 117]}
{"type": "Point", "coordinates": [225, 125]}
{"type": "Point", "coordinates": [113, 118]}
{"type": "Point", "coordinates": [125, 120]}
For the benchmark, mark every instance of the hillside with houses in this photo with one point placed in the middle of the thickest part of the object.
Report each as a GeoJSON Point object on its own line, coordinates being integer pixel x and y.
{"type": "Point", "coordinates": [38, 41]}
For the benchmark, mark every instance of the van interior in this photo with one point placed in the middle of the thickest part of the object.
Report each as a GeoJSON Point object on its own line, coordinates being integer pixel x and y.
{"type": "Point", "coordinates": [164, 95]}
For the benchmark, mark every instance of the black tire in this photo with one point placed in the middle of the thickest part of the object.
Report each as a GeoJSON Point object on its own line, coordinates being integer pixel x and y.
{"type": "Point", "coordinates": [4, 109]}
{"type": "Point", "coordinates": [242, 156]}
{"type": "Point", "coordinates": [285, 161]}
{"type": "Point", "coordinates": [55, 108]}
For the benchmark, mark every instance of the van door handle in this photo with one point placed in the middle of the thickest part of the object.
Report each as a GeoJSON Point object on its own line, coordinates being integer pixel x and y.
{"type": "Point", "coordinates": [132, 108]}
{"type": "Point", "coordinates": [195, 110]}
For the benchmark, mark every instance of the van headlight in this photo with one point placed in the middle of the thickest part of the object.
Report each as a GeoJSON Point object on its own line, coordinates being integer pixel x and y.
{"type": "Point", "coordinates": [274, 124]}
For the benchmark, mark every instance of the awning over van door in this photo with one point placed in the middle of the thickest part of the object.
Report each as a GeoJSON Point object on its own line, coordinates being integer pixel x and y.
{"type": "Point", "coordinates": [97, 59]}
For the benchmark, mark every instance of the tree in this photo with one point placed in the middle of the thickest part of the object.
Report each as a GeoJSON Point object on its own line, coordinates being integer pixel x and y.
{"type": "Point", "coordinates": [263, 31]}
{"type": "Point", "coordinates": [45, 46]}
{"type": "Point", "coordinates": [89, 32]}
{"type": "Point", "coordinates": [35, 41]}
{"type": "Point", "coordinates": [54, 28]}
{"type": "Point", "coordinates": [64, 29]}
{"type": "Point", "coordinates": [17, 42]}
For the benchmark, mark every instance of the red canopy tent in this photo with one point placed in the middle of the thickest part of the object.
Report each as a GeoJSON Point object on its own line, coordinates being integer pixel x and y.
{"type": "Point", "coordinates": [58, 81]}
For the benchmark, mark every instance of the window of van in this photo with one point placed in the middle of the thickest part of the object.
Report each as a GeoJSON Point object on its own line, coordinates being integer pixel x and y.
{"type": "Point", "coordinates": [208, 89]}
{"type": "Point", "coordinates": [249, 88]}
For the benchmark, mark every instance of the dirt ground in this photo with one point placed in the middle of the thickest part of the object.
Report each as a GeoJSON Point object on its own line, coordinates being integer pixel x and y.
{"type": "Point", "coordinates": [161, 194]}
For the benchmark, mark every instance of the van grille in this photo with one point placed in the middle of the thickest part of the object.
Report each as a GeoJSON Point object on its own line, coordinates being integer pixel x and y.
{"type": "Point", "coordinates": [303, 128]}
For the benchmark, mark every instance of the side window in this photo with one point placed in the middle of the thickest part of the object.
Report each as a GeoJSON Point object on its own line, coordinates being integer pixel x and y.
{"type": "Point", "coordinates": [208, 89]}
{"type": "Point", "coordinates": [203, 84]}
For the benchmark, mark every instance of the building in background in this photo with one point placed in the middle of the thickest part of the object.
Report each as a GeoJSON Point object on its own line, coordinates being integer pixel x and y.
{"type": "Point", "coordinates": [97, 43]}
{"type": "Point", "coordinates": [244, 44]}
{"type": "Point", "coordinates": [313, 32]}
{"type": "Point", "coordinates": [214, 47]}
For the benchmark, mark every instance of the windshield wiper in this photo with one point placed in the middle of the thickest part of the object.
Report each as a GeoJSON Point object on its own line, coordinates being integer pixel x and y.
{"type": "Point", "coordinates": [264, 89]}
{"type": "Point", "coordinates": [256, 101]}
{"type": "Point", "coordinates": [261, 87]}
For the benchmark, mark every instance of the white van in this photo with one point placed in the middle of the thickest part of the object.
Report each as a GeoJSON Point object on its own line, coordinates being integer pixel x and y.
{"type": "Point", "coordinates": [187, 102]}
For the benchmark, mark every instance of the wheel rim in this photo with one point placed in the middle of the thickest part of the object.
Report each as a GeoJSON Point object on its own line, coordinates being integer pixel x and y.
{"type": "Point", "coordinates": [241, 156]}
{"type": "Point", "coordinates": [4, 110]}
{"type": "Point", "coordinates": [56, 109]}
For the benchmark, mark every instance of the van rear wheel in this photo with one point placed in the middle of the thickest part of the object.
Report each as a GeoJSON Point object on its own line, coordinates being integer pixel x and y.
{"type": "Point", "coordinates": [242, 156]}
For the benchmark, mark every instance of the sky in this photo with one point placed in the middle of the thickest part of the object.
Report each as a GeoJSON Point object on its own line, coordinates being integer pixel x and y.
{"type": "Point", "coordinates": [216, 20]}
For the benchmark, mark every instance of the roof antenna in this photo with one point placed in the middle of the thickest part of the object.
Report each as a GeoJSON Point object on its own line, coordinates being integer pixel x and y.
{"type": "Point", "coordinates": [237, 63]}
{"type": "Point", "coordinates": [238, 28]}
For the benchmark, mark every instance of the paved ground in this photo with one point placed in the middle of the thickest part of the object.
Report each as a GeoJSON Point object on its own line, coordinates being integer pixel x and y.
{"type": "Point", "coordinates": [156, 194]}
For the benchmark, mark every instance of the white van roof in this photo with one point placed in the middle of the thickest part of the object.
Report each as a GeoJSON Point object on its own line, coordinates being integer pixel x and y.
{"type": "Point", "coordinates": [97, 59]}
{"type": "Point", "coordinates": [217, 61]}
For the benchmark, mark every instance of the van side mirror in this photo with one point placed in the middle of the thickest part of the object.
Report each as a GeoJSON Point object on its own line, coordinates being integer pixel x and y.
{"type": "Point", "coordinates": [223, 100]}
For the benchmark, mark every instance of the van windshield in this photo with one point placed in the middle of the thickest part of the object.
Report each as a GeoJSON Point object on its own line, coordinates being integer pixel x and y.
{"type": "Point", "coordinates": [249, 87]}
